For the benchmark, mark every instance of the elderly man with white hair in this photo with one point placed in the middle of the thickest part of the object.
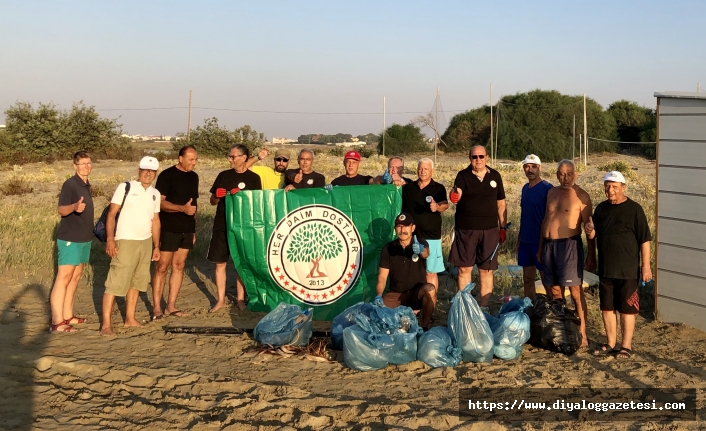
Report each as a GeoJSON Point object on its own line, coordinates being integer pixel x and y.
{"type": "Point", "coordinates": [623, 239]}
{"type": "Point", "coordinates": [425, 200]}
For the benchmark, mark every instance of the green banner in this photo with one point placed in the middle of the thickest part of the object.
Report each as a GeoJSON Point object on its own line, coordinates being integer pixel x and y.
{"type": "Point", "coordinates": [311, 247]}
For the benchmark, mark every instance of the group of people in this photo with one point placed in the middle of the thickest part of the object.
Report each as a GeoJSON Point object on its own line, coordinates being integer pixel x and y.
{"type": "Point", "coordinates": [158, 224]}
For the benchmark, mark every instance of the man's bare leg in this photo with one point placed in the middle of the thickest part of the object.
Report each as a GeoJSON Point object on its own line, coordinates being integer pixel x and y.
{"type": "Point", "coordinates": [610, 322]}
{"type": "Point", "coordinates": [158, 280]}
{"type": "Point", "coordinates": [529, 274]}
{"type": "Point", "coordinates": [486, 286]}
{"type": "Point", "coordinates": [428, 297]}
{"type": "Point", "coordinates": [240, 292]}
{"type": "Point", "coordinates": [108, 302]}
{"type": "Point", "coordinates": [464, 276]}
{"type": "Point", "coordinates": [130, 307]}
{"type": "Point", "coordinates": [581, 309]}
{"type": "Point", "coordinates": [433, 278]}
{"type": "Point", "coordinates": [71, 288]}
{"type": "Point", "coordinates": [175, 281]}
{"type": "Point", "coordinates": [627, 329]}
{"type": "Point", "coordinates": [57, 298]}
{"type": "Point", "coordinates": [221, 287]}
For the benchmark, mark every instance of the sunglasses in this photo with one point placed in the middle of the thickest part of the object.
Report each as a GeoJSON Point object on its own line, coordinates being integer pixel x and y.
{"type": "Point", "coordinates": [232, 157]}
{"type": "Point", "coordinates": [478, 156]}
{"type": "Point", "coordinates": [282, 159]}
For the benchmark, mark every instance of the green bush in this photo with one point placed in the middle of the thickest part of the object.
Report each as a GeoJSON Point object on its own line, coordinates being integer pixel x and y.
{"type": "Point", "coordinates": [620, 166]}
{"type": "Point", "coordinates": [337, 151]}
{"type": "Point", "coordinates": [215, 141]}
{"type": "Point", "coordinates": [16, 186]}
{"type": "Point", "coordinates": [403, 140]}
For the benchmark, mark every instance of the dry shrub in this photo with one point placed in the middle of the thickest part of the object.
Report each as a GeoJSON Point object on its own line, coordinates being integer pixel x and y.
{"type": "Point", "coordinates": [618, 165]}
{"type": "Point", "coordinates": [16, 186]}
{"type": "Point", "coordinates": [97, 191]}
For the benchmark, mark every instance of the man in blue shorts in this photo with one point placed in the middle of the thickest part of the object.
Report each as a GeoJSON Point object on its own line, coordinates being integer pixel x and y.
{"type": "Point", "coordinates": [533, 205]}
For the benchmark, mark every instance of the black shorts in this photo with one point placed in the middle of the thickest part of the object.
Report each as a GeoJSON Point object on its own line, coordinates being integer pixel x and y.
{"type": "Point", "coordinates": [475, 247]}
{"type": "Point", "coordinates": [410, 298]}
{"type": "Point", "coordinates": [619, 295]}
{"type": "Point", "coordinates": [563, 262]}
{"type": "Point", "coordinates": [173, 241]}
{"type": "Point", "coordinates": [218, 250]}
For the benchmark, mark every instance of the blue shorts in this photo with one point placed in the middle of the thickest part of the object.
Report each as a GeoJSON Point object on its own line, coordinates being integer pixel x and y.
{"type": "Point", "coordinates": [563, 262]}
{"type": "Point", "coordinates": [527, 255]}
{"type": "Point", "coordinates": [435, 261]}
{"type": "Point", "coordinates": [73, 253]}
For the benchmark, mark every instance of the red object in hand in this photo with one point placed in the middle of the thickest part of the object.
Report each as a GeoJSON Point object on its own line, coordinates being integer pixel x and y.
{"type": "Point", "coordinates": [503, 235]}
{"type": "Point", "coordinates": [454, 196]}
{"type": "Point", "coordinates": [221, 192]}
{"type": "Point", "coordinates": [234, 190]}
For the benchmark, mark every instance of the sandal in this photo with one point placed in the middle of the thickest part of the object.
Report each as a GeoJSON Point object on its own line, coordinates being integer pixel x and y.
{"type": "Point", "coordinates": [62, 327]}
{"type": "Point", "coordinates": [604, 349]}
{"type": "Point", "coordinates": [624, 353]}
{"type": "Point", "coordinates": [79, 320]}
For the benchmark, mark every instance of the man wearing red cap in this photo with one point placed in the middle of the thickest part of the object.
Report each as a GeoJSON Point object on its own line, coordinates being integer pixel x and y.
{"type": "Point", "coordinates": [351, 162]}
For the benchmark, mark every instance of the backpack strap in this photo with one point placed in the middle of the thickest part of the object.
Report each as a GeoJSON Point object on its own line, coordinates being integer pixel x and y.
{"type": "Point", "coordinates": [127, 190]}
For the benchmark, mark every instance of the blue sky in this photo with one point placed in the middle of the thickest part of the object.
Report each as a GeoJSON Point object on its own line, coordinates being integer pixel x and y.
{"type": "Point", "coordinates": [334, 57]}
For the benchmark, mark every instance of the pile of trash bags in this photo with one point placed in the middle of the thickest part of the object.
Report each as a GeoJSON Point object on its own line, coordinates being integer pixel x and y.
{"type": "Point", "coordinates": [511, 328]}
{"type": "Point", "coordinates": [553, 326]}
{"type": "Point", "coordinates": [287, 324]}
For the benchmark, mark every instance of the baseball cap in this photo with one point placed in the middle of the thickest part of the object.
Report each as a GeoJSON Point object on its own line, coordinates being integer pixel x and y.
{"type": "Point", "coordinates": [531, 159]}
{"type": "Point", "coordinates": [352, 155]}
{"type": "Point", "coordinates": [614, 176]}
{"type": "Point", "coordinates": [404, 219]}
{"type": "Point", "coordinates": [283, 153]}
{"type": "Point", "coordinates": [150, 163]}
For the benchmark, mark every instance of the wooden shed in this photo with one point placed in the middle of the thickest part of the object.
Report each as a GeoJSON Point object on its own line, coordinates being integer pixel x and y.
{"type": "Point", "coordinates": [680, 289]}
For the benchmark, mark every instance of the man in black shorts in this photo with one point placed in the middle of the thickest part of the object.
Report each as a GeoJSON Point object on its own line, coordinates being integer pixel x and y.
{"type": "Point", "coordinates": [623, 239]}
{"type": "Point", "coordinates": [404, 262]}
{"type": "Point", "coordinates": [304, 177]}
{"type": "Point", "coordinates": [179, 189]}
{"type": "Point", "coordinates": [481, 221]}
{"type": "Point", "coordinates": [231, 181]}
{"type": "Point", "coordinates": [351, 162]}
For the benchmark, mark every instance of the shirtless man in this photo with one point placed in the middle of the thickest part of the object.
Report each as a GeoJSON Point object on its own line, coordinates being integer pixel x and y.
{"type": "Point", "coordinates": [560, 244]}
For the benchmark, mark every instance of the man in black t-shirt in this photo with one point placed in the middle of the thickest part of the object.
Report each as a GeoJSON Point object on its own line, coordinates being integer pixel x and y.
{"type": "Point", "coordinates": [351, 162]}
{"type": "Point", "coordinates": [623, 239]}
{"type": "Point", "coordinates": [304, 177]}
{"type": "Point", "coordinates": [425, 199]}
{"type": "Point", "coordinates": [231, 182]}
{"type": "Point", "coordinates": [403, 261]}
{"type": "Point", "coordinates": [179, 189]}
{"type": "Point", "coordinates": [481, 220]}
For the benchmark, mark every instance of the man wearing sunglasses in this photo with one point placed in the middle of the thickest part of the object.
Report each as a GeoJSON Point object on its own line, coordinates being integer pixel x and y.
{"type": "Point", "coordinates": [481, 222]}
{"type": "Point", "coordinates": [271, 178]}
{"type": "Point", "coordinates": [304, 177]}
{"type": "Point", "coordinates": [230, 181]}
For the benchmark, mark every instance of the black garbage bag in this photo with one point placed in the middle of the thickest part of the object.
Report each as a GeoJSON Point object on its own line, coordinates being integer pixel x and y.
{"type": "Point", "coordinates": [553, 326]}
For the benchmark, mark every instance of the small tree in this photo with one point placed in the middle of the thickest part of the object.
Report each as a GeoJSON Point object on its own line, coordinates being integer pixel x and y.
{"type": "Point", "coordinates": [403, 140]}
{"type": "Point", "coordinates": [312, 243]}
{"type": "Point", "coordinates": [213, 140]}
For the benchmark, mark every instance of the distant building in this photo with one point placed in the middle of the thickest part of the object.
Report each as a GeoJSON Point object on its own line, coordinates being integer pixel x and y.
{"type": "Point", "coordinates": [282, 141]}
{"type": "Point", "coordinates": [349, 144]}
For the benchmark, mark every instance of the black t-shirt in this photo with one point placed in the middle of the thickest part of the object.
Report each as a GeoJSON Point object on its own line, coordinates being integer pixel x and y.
{"type": "Point", "coordinates": [313, 179]}
{"type": "Point", "coordinates": [478, 207]}
{"type": "Point", "coordinates": [414, 201]}
{"type": "Point", "coordinates": [620, 230]}
{"type": "Point", "coordinates": [404, 272]}
{"type": "Point", "coordinates": [76, 227]}
{"type": "Point", "coordinates": [358, 180]}
{"type": "Point", "coordinates": [229, 180]}
{"type": "Point", "coordinates": [178, 187]}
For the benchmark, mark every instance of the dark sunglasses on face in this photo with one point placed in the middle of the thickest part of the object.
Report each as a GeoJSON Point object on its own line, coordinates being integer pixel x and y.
{"type": "Point", "coordinates": [282, 159]}
{"type": "Point", "coordinates": [478, 156]}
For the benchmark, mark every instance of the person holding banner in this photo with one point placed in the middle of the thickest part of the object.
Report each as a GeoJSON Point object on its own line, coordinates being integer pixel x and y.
{"type": "Point", "coordinates": [481, 222]}
{"type": "Point", "coordinates": [403, 261]}
{"type": "Point", "coordinates": [272, 179]}
{"type": "Point", "coordinates": [230, 181]}
{"type": "Point", "coordinates": [351, 162]}
{"type": "Point", "coordinates": [304, 177]}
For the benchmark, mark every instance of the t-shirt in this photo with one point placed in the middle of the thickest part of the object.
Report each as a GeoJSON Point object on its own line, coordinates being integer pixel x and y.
{"type": "Point", "coordinates": [76, 227]}
{"type": "Point", "coordinates": [136, 214]}
{"type": "Point", "coordinates": [310, 180]}
{"type": "Point", "coordinates": [404, 272]}
{"type": "Point", "coordinates": [358, 180]}
{"type": "Point", "coordinates": [414, 201]}
{"type": "Point", "coordinates": [270, 178]}
{"type": "Point", "coordinates": [534, 205]}
{"type": "Point", "coordinates": [620, 230]}
{"type": "Point", "coordinates": [178, 187]}
{"type": "Point", "coordinates": [478, 207]}
{"type": "Point", "coordinates": [229, 180]}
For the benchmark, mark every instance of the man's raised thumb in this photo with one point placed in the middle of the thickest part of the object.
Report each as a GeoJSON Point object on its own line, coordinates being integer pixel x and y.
{"type": "Point", "coordinates": [590, 219]}
{"type": "Point", "coordinates": [189, 202]}
{"type": "Point", "coordinates": [80, 199]}
{"type": "Point", "coordinates": [415, 239]}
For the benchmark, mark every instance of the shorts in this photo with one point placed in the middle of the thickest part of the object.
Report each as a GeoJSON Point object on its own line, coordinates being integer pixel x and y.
{"type": "Point", "coordinates": [173, 241]}
{"type": "Point", "coordinates": [435, 260]}
{"type": "Point", "coordinates": [218, 250]}
{"type": "Point", "coordinates": [619, 295]}
{"type": "Point", "coordinates": [475, 247]}
{"type": "Point", "coordinates": [563, 262]}
{"type": "Point", "coordinates": [130, 269]}
{"type": "Point", "coordinates": [527, 255]}
{"type": "Point", "coordinates": [73, 253]}
{"type": "Point", "coordinates": [409, 298]}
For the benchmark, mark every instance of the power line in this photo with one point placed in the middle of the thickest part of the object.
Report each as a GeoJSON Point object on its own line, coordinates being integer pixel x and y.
{"type": "Point", "coordinates": [270, 112]}
{"type": "Point", "coordinates": [620, 142]}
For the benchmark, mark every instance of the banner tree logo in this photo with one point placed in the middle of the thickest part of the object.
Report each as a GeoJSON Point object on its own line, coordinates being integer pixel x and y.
{"type": "Point", "coordinates": [315, 254]}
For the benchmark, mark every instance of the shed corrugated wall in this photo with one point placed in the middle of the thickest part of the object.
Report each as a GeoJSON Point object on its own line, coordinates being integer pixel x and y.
{"type": "Point", "coordinates": [681, 212]}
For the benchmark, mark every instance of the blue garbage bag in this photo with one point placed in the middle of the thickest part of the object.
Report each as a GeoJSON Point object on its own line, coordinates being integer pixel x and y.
{"type": "Point", "coordinates": [510, 332]}
{"type": "Point", "coordinates": [437, 348]}
{"type": "Point", "coordinates": [364, 351]}
{"type": "Point", "coordinates": [515, 304]}
{"type": "Point", "coordinates": [470, 328]}
{"type": "Point", "coordinates": [346, 319]}
{"type": "Point", "coordinates": [287, 324]}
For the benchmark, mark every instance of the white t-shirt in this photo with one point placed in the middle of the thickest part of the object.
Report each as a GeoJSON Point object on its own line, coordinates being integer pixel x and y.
{"type": "Point", "coordinates": [135, 222]}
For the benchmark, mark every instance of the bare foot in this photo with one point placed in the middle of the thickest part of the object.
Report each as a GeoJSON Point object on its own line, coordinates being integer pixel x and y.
{"type": "Point", "coordinates": [241, 304]}
{"type": "Point", "coordinates": [217, 307]}
{"type": "Point", "coordinates": [132, 324]}
{"type": "Point", "coordinates": [177, 313]}
{"type": "Point", "coordinates": [107, 332]}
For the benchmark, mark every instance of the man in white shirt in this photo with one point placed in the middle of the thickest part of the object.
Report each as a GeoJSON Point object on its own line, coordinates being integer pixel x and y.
{"type": "Point", "coordinates": [133, 244]}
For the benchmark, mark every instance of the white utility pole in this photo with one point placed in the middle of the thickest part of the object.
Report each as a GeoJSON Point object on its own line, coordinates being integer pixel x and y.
{"type": "Point", "coordinates": [383, 126]}
{"type": "Point", "coordinates": [573, 141]}
{"type": "Point", "coordinates": [436, 124]}
{"type": "Point", "coordinates": [585, 132]}
{"type": "Point", "coordinates": [188, 127]}
{"type": "Point", "coordinates": [492, 156]}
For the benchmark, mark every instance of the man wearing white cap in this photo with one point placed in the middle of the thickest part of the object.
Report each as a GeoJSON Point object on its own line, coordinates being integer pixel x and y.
{"type": "Point", "coordinates": [533, 204]}
{"type": "Point", "coordinates": [623, 238]}
{"type": "Point", "coordinates": [133, 244]}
